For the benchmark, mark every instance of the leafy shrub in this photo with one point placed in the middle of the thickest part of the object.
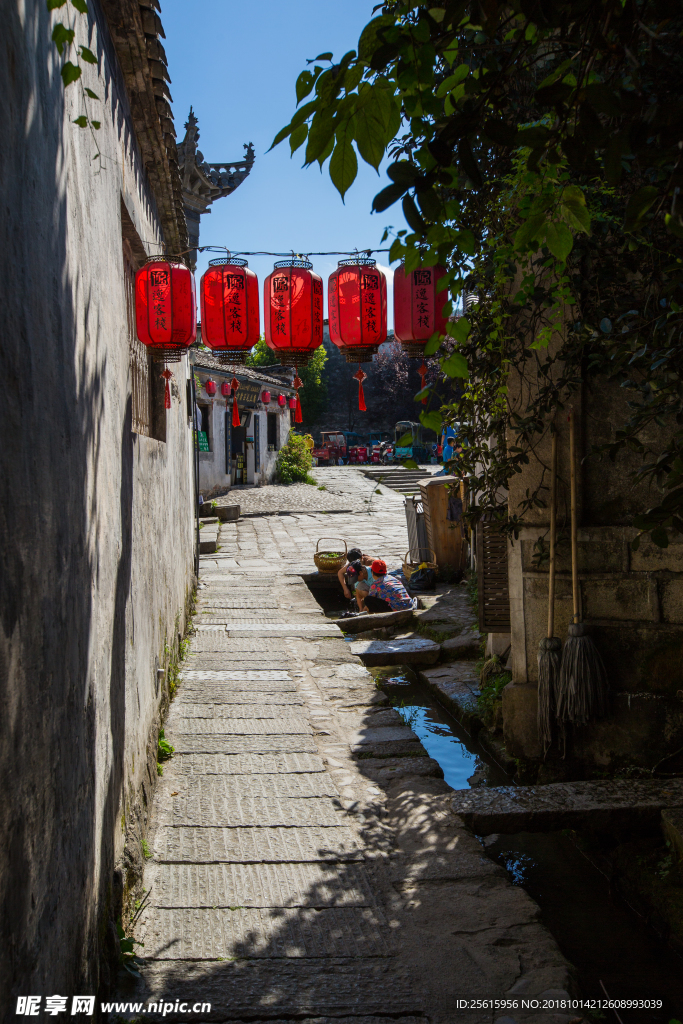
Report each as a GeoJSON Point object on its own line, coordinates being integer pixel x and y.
{"type": "Point", "coordinates": [294, 462]}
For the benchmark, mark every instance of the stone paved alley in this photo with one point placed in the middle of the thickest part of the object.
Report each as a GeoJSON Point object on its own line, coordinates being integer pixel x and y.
{"type": "Point", "coordinates": [291, 879]}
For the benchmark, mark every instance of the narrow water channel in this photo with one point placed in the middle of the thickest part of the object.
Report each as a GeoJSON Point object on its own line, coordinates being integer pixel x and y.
{"type": "Point", "coordinates": [595, 930]}
{"type": "Point", "coordinates": [608, 944]}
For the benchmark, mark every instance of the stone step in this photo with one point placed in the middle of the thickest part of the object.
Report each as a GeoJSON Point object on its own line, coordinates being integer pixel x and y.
{"type": "Point", "coordinates": [210, 886]}
{"type": "Point", "coordinates": [304, 989]}
{"type": "Point", "coordinates": [359, 623]}
{"type": "Point", "coordinates": [256, 844]}
{"type": "Point", "coordinates": [243, 932]}
{"type": "Point", "coordinates": [396, 652]}
{"type": "Point", "coordinates": [610, 805]}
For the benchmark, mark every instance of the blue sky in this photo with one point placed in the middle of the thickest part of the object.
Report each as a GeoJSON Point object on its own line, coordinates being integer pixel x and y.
{"type": "Point", "coordinates": [237, 64]}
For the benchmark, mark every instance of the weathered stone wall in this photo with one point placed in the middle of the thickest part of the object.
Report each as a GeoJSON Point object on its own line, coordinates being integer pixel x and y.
{"type": "Point", "coordinates": [96, 521]}
{"type": "Point", "coordinates": [632, 600]}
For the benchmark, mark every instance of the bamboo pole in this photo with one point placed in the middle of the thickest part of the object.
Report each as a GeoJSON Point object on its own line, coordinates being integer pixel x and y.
{"type": "Point", "coordinates": [575, 556]}
{"type": "Point", "coordinates": [553, 533]}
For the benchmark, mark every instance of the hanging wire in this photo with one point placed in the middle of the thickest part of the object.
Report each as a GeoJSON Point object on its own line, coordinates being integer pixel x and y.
{"type": "Point", "coordinates": [291, 254]}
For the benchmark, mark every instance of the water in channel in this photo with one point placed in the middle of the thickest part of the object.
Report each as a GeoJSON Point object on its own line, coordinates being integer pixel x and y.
{"type": "Point", "coordinates": [597, 932]}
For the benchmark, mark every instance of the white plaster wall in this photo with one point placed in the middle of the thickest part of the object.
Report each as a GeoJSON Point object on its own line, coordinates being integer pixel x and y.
{"type": "Point", "coordinates": [97, 533]}
{"type": "Point", "coordinates": [213, 479]}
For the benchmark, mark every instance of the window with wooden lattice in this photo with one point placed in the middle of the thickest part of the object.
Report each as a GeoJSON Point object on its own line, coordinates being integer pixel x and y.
{"type": "Point", "coordinates": [140, 358]}
{"type": "Point", "coordinates": [147, 392]}
{"type": "Point", "coordinates": [492, 578]}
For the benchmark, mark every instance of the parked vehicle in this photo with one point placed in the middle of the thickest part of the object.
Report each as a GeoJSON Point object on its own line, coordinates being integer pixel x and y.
{"type": "Point", "coordinates": [358, 455]}
{"type": "Point", "coordinates": [385, 452]}
{"type": "Point", "coordinates": [332, 449]}
{"type": "Point", "coordinates": [415, 448]}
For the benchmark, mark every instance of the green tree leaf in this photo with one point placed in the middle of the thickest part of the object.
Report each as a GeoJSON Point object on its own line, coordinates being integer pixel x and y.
{"type": "Point", "coordinates": [87, 55]}
{"type": "Point", "coordinates": [530, 231]}
{"type": "Point", "coordinates": [298, 137]}
{"type": "Point", "coordinates": [70, 73]}
{"type": "Point", "coordinates": [374, 122]}
{"type": "Point", "coordinates": [353, 77]}
{"type": "Point", "coordinates": [455, 365]}
{"type": "Point", "coordinates": [304, 84]}
{"type": "Point", "coordinates": [281, 135]}
{"type": "Point", "coordinates": [343, 162]}
{"type": "Point", "coordinates": [638, 205]}
{"type": "Point", "coordinates": [80, 5]}
{"type": "Point", "coordinates": [326, 152]}
{"type": "Point", "coordinates": [559, 240]}
{"type": "Point", "coordinates": [91, 94]}
{"type": "Point", "coordinates": [62, 36]}
{"type": "Point", "coordinates": [52, 5]}
{"type": "Point", "coordinates": [384, 199]}
{"type": "Point", "coordinates": [458, 76]}
{"type": "Point", "coordinates": [81, 121]}
{"type": "Point", "coordinates": [432, 421]}
{"type": "Point", "coordinates": [573, 209]}
{"type": "Point", "coordinates": [413, 217]}
{"type": "Point", "coordinates": [459, 329]}
{"type": "Point", "coordinates": [319, 135]}
{"type": "Point", "coordinates": [433, 344]}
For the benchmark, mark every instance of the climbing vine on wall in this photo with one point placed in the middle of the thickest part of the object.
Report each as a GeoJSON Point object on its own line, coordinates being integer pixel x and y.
{"type": "Point", "coordinates": [63, 37]}
{"type": "Point", "coordinates": [536, 149]}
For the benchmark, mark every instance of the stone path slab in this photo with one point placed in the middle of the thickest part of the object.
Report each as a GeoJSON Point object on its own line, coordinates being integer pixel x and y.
{"type": "Point", "coordinates": [199, 934]}
{"type": "Point", "coordinates": [227, 788]}
{"type": "Point", "coordinates": [250, 810]}
{"type": "Point", "coordinates": [217, 693]}
{"type": "Point", "coordinates": [314, 885]}
{"type": "Point", "coordinates": [243, 764]}
{"type": "Point", "coordinates": [228, 709]}
{"type": "Point", "coordinates": [239, 726]}
{"type": "Point", "coordinates": [257, 844]}
{"type": "Point", "coordinates": [341, 988]}
{"type": "Point", "coordinates": [192, 743]}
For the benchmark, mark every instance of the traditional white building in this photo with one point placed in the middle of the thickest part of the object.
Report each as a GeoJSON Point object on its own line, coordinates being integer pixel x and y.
{"type": "Point", "coordinates": [245, 455]}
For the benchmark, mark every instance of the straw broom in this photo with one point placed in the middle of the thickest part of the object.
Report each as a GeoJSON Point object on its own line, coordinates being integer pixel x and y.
{"type": "Point", "coordinates": [583, 689]}
{"type": "Point", "coordinates": [550, 647]}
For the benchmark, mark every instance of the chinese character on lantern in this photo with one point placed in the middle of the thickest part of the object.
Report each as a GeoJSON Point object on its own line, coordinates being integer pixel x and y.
{"type": "Point", "coordinates": [230, 310]}
{"type": "Point", "coordinates": [418, 307]}
{"type": "Point", "coordinates": [293, 311]}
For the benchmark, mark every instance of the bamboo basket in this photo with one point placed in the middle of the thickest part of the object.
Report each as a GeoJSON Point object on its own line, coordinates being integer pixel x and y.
{"type": "Point", "coordinates": [329, 561]}
{"type": "Point", "coordinates": [411, 565]}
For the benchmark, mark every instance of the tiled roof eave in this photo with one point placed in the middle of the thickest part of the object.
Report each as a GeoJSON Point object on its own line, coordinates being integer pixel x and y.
{"type": "Point", "coordinates": [135, 27]}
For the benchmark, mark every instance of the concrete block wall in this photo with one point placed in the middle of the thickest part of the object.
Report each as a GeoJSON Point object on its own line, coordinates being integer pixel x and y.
{"type": "Point", "coordinates": [97, 533]}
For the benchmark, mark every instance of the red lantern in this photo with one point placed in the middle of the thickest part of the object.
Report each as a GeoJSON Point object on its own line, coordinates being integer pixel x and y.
{"type": "Point", "coordinates": [265, 397]}
{"type": "Point", "coordinates": [293, 311]}
{"type": "Point", "coordinates": [230, 312]}
{"type": "Point", "coordinates": [281, 400]}
{"type": "Point", "coordinates": [165, 307]}
{"type": "Point", "coordinates": [210, 387]}
{"type": "Point", "coordinates": [357, 307]}
{"type": "Point", "coordinates": [418, 307]}
{"type": "Point", "coordinates": [292, 404]}
{"type": "Point", "coordinates": [225, 391]}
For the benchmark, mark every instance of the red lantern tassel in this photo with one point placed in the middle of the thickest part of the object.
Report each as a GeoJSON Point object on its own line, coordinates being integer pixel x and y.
{"type": "Point", "coordinates": [360, 376]}
{"type": "Point", "coordinates": [423, 373]}
{"type": "Point", "coordinates": [298, 383]}
{"type": "Point", "coordinates": [167, 374]}
{"type": "Point", "coordinates": [234, 384]}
